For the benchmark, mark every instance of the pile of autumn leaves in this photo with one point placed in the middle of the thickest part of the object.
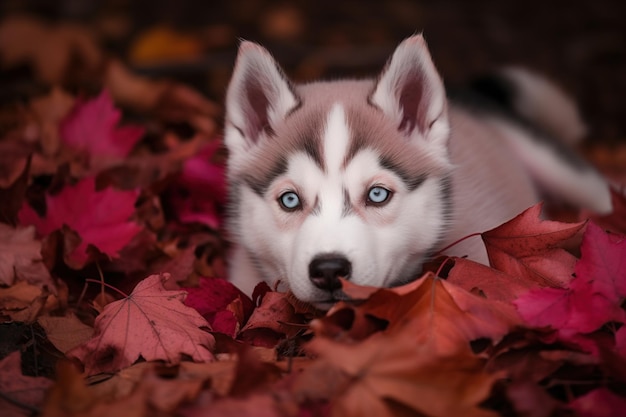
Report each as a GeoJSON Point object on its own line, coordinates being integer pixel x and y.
{"type": "Point", "coordinates": [108, 244]}
{"type": "Point", "coordinates": [540, 333]}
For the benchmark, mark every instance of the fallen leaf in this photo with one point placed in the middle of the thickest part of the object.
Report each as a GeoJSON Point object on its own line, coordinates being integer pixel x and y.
{"type": "Point", "coordinates": [170, 101]}
{"type": "Point", "coordinates": [593, 297]}
{"type": "Point", "coordinates": [200, 189]}
{"type": "Point", "coordinates": [481, 279]}
{"type": "Point", "coordinates": [24, 302]}
{"type": "Point", "coordinates": [531, 248]}
{"type": "Point", "coordinates": [391, 368]}
{"type": "Point", "coordinates": [50, 49]}
{"type": "Point", "coordinates": [92, 127]}
{"type": "Point", "coordinates": [13, 191]}
{"type": "Point", "coordinates": [274, 319]}
{"type": "Point", "coordinates": [251, 373]}
{"type": "Point", "coordinates": [603, 261]}
{"type": "Point", "coordinates": [100, 217]}
{"type": "Point", "coordinates": [600, 402]}
{"type": "Point", "coordinates": [20, 258]}
{"type": "Point", "coordinates": [20, 394]}
{"type": "Point", "coordinates": [256, 405]}
{"type": "Point", "coordinates": [151, 323]}
{"type": "Point", "coordinates": [69, 396]}
{"type": "Point", "coordinates": [49, 111]}
{"type": "Point", "coordinates": [65, 332]}
{"type": "Point", "coordinates": [439, 314]}
{"type": "Point", "coordinates": [211, 299]}
{"type": "Point", "coordinates": [530, 400]}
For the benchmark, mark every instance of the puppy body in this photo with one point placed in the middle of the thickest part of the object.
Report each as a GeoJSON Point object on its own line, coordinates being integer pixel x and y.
{"type": "Point", "coordinates": [364, 179]}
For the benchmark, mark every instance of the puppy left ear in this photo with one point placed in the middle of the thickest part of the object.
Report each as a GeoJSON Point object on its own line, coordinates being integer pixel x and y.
{"type": "Point", "coordinates": [410, 90]}
{"type": "Point", "coordinates": [258, 96]}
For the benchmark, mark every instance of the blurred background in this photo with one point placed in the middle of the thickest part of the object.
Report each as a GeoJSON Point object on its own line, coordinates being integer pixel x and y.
{"type": "Point", "coordinates": [581, 45]}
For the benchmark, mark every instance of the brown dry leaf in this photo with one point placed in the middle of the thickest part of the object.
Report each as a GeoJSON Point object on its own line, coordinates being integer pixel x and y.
{"type": "Point", "coordinates": [12, 196]}
{"type": "Point", "coordinates": [49, 110]}
{"type": "Point", "coordinates": [256, 405]}
{"type": "Point", "coordinates": [152, 323]}
{"type": "Point", "coordinates": [65, 332]}
{"type": "Point", "coordinates": [24, 302]}
{"type": "Point", "coordinates": [21, 259]}
{"type": "Point", "coordinates": [49, 49]}
{"type": "Point", "coordinates": [221, 374]}
{"type": "Point", "coordinates": [252, 373]}
{"type": "Point", "coordinates": [166, 395]}
{"type": "Point", "coordinates": [275, 309]}
{"type": "Point", "coordinates": [391, 368]}
{"type": "Point", "coordinates": [14, 164]}
{"type": "Point", "coordinates": [25, 390]}
{"type": "Point", "coordinates": [171, 101]}
{"type": "Point", "coordinates": [69, 396]}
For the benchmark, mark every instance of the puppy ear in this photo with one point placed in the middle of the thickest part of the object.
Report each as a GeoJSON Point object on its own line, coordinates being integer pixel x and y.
{"type": "Point", "coordinates": [258, 95]}
{"type": "Point", "coordinates": [410, 91]}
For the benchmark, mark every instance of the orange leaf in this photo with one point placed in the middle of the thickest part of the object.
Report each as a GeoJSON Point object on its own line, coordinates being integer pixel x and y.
{"type": "Point", "coordinates": [440, 314]}
{"type": "Point", "coordinates": [386, 369]}
{"type": "Point", "coordinates": [152, 323]}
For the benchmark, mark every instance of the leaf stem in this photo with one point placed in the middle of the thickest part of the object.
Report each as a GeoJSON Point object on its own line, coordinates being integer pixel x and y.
{"type": "Point", "coordinates": [456, 242]}
{"type": "Point", "coordinates": [111, 287]}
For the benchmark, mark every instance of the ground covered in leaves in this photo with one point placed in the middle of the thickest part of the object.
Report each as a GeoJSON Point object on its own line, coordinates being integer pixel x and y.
{"type": "Point", "coordinates": [114, 297]}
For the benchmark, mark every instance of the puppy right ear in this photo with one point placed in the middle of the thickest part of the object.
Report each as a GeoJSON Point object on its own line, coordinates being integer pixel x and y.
{"type": "Point", "coordinates": [258, 96]}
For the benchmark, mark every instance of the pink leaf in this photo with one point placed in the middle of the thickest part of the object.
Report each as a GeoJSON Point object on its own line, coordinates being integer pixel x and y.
{"type": "Point", "coordinates": [594, 296]}
{"type": "Point", "coordinates": [151, 323]}
{"type": "Point", "coordinates": [101, 218]}
{"type": "Point", "coordinates": [92, 127]}
{"type": "Point", "coordinates": [212, 298]}
{"type": "Point", "coordinates": [200, 189]}
{"type": "Point", "coordinates": [603, 262]}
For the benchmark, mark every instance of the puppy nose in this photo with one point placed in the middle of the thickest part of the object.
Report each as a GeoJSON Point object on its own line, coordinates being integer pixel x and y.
{"type": "Point", "coordinates": [325, 271]}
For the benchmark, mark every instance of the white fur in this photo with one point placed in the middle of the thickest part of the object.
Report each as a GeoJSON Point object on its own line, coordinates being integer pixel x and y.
{"type": "Point", "coordinates": [336, 139]}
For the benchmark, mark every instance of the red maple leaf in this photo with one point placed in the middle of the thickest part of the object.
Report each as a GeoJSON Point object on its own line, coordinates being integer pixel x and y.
{"type": "Point", "coordinates": [100, 217]}
{"type": "Point", "coordinates": [200, 188]}
{"type": "Point", "coordinates": [212, 299]}
{"type": "Point", "coordinates": [531, 248]}
{"type": "Point", "coordinates": [92, 126]}
{"type": "Point", "coordinates": [152, 323]}
{"type": "Point", "coordinates": [603, 263]}
{"type": "Point", "coordinates": [491, 283]}
{"type": "Point", "coordinates": [593, 297]}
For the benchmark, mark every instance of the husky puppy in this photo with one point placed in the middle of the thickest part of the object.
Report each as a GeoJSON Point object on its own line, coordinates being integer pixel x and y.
{"type": "Point", "coordinates": [365, 179]}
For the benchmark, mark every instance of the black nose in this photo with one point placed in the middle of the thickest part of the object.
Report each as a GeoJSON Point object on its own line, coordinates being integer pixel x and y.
{"type": "Point", "coordinates": [325, 271]}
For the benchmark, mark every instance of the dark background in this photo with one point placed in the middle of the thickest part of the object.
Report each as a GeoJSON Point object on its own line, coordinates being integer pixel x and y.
{"type": "Point", "coordinates": [579, 44]}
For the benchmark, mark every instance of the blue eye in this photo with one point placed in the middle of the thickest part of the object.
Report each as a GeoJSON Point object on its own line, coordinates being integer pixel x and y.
{"type": "Point", "coordinates": [289, 201]}
{"type": "Point", "coordinates": [378, 195]}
